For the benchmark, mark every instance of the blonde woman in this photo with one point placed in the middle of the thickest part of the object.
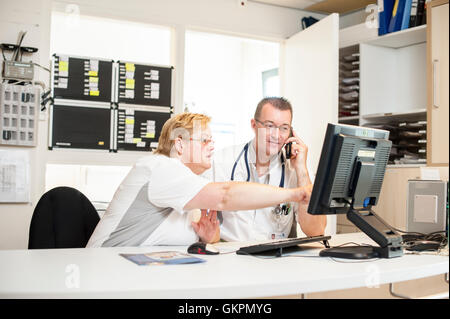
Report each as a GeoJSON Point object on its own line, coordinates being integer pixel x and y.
{"type": "Point", "coordinates": [154, 203]}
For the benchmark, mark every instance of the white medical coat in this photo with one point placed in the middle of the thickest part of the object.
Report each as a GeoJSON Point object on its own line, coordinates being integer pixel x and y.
{"type": "Point", "coordinates": [260, 224]}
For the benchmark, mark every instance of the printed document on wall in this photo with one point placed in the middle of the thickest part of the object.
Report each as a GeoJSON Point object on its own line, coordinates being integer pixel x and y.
{"type": "Point", "coordinates": [14, 177]}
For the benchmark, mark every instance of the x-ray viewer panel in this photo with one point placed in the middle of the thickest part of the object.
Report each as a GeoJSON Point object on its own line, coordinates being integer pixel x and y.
{"type": "Point", "coordinates": [81, 127]}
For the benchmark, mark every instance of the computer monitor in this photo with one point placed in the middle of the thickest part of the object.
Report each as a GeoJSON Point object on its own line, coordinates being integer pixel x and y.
{"type": "Point", "coordinates": [348, 181]}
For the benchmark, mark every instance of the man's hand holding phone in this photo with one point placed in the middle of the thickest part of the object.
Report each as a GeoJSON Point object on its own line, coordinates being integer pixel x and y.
{"type": "Point", "coordinates": [298, 159]}
{"type": "Point", "coordinates": [299, 151]}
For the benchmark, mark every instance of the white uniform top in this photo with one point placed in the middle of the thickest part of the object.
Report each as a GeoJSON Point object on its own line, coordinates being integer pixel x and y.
{"type": "Point", "coordinates": [147, 208]}
{"type": "Point", "coordinates": [260, 224]}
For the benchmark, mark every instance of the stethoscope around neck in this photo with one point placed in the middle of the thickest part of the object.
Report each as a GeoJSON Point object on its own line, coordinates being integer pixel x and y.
{"type": "Point", "coordinates": [245, 153]}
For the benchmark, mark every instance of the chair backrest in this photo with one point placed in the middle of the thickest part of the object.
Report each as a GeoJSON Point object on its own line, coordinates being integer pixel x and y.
{"type": "Point", "coordinates": [63, 218]}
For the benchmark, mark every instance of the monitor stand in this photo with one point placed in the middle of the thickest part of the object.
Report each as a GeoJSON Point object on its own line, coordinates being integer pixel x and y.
{"type": "Point", "coordinates": [390, 243]}
{"type": "Point", "coordinates": [350, 252]}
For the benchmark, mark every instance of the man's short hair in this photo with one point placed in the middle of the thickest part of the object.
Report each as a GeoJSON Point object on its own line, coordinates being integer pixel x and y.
{"type": "Point", "coordinates": [279, 103]}
{"type": "Point", "coordinates": [179, 125]}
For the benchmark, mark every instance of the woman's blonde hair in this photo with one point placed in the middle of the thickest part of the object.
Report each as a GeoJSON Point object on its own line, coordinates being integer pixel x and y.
{"type": "Point", "coordinates": [181, 125]}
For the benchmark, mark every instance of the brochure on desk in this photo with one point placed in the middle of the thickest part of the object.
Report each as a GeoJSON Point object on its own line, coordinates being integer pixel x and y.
{"type": "Point", "coordinates": [162, 258]}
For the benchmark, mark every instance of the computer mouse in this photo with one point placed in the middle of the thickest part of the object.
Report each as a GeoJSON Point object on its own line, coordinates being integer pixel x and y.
{"type": "Point", "coordinates": [423, 245]}
{"type": "Point", "coordinates": [202, 249]}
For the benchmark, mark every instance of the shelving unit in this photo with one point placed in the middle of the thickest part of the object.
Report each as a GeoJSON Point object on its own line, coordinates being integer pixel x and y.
{"type": "Point", "coordinates": [392, 85]}
{"type": "Point", "coordinates": [360, 33]}
{"type": "Point", "coordinates": [352, 120]}
{"type": "Point", "coordinates": [349, 84]}
{"type": "Point", "coordinates": [402, 38]}
{"type": "Point", "coordinates": [418, 115]}
{"type": "Point", "coordinates": [402, 74]}
{"type": "Point", "coordinates": [408, 133]}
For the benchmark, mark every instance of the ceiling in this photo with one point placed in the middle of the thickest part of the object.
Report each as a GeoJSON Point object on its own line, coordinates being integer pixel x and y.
{"type": "Point", "coordinates": [326, 6]}
{"type": "Point", "coordinates": [296, 4]}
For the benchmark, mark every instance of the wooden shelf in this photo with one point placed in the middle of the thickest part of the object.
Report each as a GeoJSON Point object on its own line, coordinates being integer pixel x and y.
{"type": "Point", "coordinates": [406, 165]}
{"type": "Point", "coordinates": [349, 118]}
{"type": "Point", "coordinates": [340, 6]}
{"type": "Point", "coordinates": [402, 38]}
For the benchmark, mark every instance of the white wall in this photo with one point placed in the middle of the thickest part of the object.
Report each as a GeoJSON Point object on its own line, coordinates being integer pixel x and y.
{"type": "Point", "coordinates": [110, 39]}
{"type": "Point", "coordinates": [34, 17]}
{"type": "Point", "coordinates": [353, 18]}
{"type": "Point", "coordinates": [225, 16]}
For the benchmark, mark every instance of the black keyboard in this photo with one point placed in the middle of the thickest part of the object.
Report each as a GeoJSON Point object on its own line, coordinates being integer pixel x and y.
{"type": "Point", "coordinates": [278, 245]}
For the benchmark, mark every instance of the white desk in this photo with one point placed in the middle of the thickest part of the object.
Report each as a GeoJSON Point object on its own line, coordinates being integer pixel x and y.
{"type": "Point", "coordinates": [105, 274]}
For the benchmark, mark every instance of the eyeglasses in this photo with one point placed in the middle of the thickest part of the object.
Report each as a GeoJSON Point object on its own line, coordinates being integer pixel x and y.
{"type": "Point", "coordinates": [284, 129]}
{"type": "Point", "coordinates": [203, 140]}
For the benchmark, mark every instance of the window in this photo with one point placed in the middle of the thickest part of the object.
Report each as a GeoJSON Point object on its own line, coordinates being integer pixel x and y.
{"type": "Point", "coordinates": [271, 83]}
{"type": "Point", "coordinates": [98, 183]}
{"type": "Point", "coordinates": [224, 79]}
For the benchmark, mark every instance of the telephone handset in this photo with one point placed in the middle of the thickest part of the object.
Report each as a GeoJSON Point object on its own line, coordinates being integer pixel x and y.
{"type": "Point", "coordinates": [288, 147]}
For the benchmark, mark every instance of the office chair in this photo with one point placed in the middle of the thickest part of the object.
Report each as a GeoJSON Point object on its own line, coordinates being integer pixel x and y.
{"type": "Point", "coordinates": [63, 218]}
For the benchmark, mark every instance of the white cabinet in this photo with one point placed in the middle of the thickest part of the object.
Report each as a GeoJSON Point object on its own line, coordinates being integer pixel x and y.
{"type": "Point", "coordinates": [438, 83]}
{"type": "Point", "coordinates": [393, 74]}
{"type": "Point", "coordinates": [356, 34]}
{"type": "Point", "coordinates": [404, 77]}
{"type": "Point", "coordinates": [392, 81]}
{"type": "Point", "coordinates": [310, 81]}
{"type": "Point", "coordinates": [393, 89]}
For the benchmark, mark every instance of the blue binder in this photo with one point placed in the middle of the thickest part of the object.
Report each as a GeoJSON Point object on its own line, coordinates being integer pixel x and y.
{"type": "Point", "coordinates": [397, 16]}
{"type": "Point", "coordinates": [406, 15]}
{"type": "Point", "coordinates": [386, 7]}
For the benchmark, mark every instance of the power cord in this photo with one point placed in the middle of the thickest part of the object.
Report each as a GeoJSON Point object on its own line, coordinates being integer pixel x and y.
{"type": "Point", "coordinates": [42, 67]}
{"type": "Point", "coordinates": [45, 99]}
{"type": "Point", "coordinates": [409, 239]}
{"type": "Point", "coordinates": [436, 242]}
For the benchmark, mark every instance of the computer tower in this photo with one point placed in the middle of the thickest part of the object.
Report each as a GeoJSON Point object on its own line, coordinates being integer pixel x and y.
{"type": "Point", "coordinates": [426, 206]}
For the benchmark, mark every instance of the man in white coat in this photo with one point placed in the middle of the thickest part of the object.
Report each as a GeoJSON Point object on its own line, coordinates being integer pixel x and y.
{"type": "Point", "coordinates": [263, 160]}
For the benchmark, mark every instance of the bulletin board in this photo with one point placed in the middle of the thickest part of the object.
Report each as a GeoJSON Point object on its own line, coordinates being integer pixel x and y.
{"type": "Point", "coordinates": [86, 79]}
{"type": "Point", "coordinates": [107, 105]}
{"type": "Point", "coordinates": [144, 84]}
{"type": "Point", "coordinates": [139, 130]}
{"type": "Point", "coordinates": [81, 127]}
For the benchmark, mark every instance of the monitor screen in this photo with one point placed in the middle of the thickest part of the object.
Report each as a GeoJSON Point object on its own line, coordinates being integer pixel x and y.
{"type": "Point", "coordinates": [351, 169]}
{"type": "Point", "coordinates": [349, 179]}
